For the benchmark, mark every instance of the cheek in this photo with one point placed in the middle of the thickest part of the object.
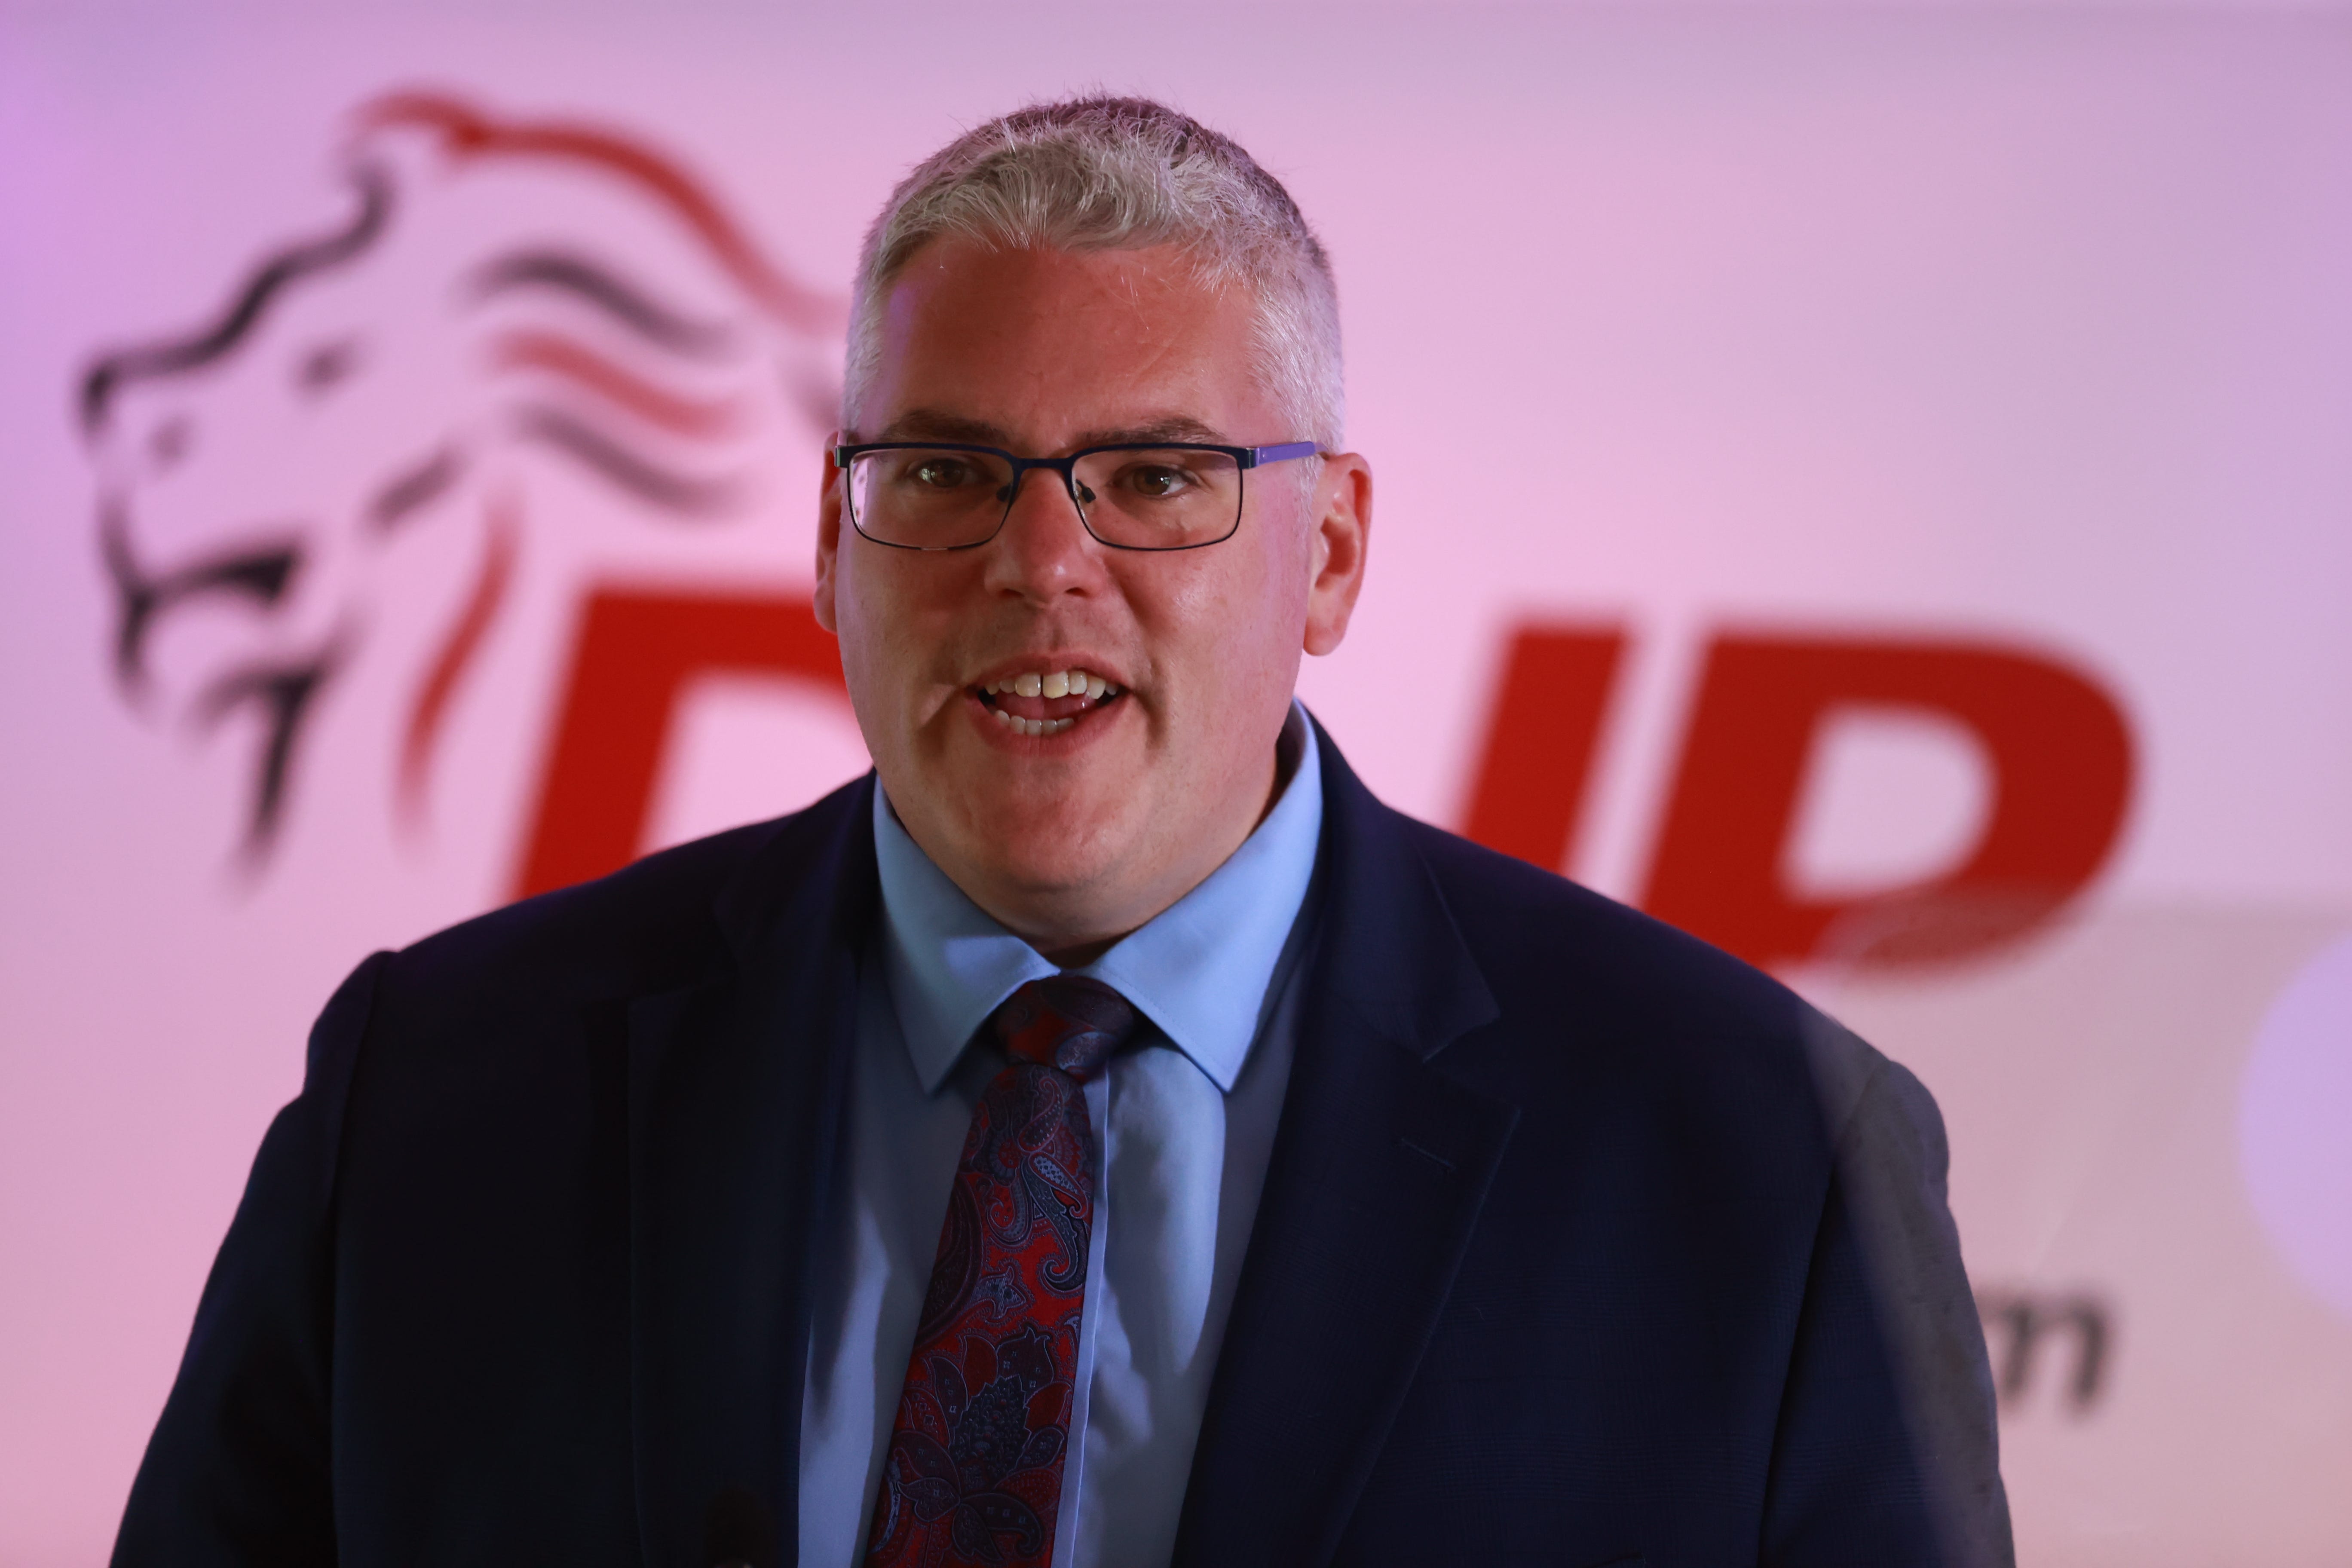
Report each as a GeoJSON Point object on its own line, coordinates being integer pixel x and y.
{"type": "Point", "coordinates": [1275, 584]}
{"type": "Point", "coordinates": [858, 624]}
{"type": "Point", "coordinates": [1238, 622]}
{"type": "Point", "coordinates": [890, 626]}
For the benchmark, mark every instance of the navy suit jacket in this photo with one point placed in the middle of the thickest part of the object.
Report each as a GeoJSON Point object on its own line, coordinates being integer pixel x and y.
{"type": "Point", "coordinates": [1581, 1243]}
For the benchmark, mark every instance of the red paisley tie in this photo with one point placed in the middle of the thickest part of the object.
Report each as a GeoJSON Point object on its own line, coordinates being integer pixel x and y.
{"type": "Point", "coordinates": [974, 1473]}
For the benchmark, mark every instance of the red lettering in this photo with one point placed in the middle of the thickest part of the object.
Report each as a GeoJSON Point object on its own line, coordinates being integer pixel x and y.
{"type": "Point", "coordinates": [1540, 741]}
{"type": "Point", "coordinates": [636, 651]}
{"type": "Point", "coordinates": [2062, 763]}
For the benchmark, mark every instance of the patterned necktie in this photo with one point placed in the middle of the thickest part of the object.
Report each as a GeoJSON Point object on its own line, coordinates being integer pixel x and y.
{"type": "Point", "coordinates": [975, 1472]}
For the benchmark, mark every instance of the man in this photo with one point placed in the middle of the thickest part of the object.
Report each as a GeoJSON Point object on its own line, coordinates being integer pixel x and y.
{"type": "Point", "coordinates": [1318, 1187]}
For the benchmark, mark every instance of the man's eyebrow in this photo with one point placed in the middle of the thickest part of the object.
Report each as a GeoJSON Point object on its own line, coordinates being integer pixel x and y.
{"type": "Point", "coordinates": [935, 424]}
{"type": "Point", "coordinates": [1172, 428]}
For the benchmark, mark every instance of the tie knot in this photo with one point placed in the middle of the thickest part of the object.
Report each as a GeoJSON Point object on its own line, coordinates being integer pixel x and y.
{"type": "Point", "coordinates": [1067, 1022]}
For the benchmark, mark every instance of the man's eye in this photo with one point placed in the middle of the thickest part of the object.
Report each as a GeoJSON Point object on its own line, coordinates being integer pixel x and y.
{"type": "Point", "coordinates": [1157, 482]}
{"type": "Point", "coordinates": [940, 473]}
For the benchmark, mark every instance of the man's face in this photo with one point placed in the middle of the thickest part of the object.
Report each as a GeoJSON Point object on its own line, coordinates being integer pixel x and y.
{"type": "Point", "coordinates": [1076, 835]}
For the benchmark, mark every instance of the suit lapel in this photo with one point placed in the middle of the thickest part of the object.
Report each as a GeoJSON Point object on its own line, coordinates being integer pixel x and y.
{"type": "Point", "coordinates": [735, 1090]}
{"type": "Point", "coordinates": [1378, 1170]}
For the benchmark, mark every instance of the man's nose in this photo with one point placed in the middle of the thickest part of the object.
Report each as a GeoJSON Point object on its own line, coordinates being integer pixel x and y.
{"type": "Point", "coordinates": [1044, 547]}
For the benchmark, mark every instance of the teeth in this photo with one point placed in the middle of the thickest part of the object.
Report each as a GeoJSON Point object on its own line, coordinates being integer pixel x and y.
{"type": "Point", "coordinates": [1031, 726]}
{"type": "Point", "coordinates": [1080, 683]}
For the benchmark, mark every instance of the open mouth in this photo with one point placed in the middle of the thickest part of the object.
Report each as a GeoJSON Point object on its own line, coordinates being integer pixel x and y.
{"type": "Point", "coordinates": [1045, 702]}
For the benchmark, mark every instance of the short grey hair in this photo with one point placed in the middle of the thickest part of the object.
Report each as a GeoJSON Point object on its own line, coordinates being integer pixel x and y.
{"type": "Point", "coordinates": [1122, 174]}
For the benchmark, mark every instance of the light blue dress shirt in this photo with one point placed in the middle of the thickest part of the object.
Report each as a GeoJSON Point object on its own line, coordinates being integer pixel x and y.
{"type": "Point", "coordinates": [1185, 1121]}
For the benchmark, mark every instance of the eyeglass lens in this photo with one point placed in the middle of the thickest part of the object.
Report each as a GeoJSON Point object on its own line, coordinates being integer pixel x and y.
{"type": "Point", "coordinates": [1162, 498]}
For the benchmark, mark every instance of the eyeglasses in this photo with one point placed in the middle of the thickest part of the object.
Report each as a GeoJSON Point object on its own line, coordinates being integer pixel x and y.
{"type": "Point", "coordinates": [942, 495]}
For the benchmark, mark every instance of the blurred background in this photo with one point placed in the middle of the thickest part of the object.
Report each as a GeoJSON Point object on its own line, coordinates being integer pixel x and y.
{"type": "Point", "coordinates": [1871, 483]}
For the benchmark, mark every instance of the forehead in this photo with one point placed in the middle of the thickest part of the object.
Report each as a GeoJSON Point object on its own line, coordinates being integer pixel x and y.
{"type": "Point", "coordinates": [1038, 338]}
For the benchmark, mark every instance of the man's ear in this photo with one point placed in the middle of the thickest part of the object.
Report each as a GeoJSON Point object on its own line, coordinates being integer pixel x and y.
{"type": "Point", "coordinates": [1342, 523]}
{"type": "Point", "coordinates": [828, 540]}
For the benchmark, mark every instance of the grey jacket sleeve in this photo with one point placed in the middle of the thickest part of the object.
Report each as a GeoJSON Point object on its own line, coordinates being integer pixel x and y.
{"type": "Point", "coordinates": [1893, 1160]}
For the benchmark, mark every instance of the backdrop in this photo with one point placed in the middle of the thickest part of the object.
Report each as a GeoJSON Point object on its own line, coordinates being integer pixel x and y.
{"type": "Point", "coordinates": [1868, 485]}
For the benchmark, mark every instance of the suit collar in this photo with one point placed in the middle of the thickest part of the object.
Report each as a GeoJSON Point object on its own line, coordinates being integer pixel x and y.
{"type": "Point", "coordinates": [1398, 960]}
{"type": "Point", "coordinates": [1379, 1168]}
{"type": "Point", "coordinates": [735, 1088]}
{"type": "Point", "coordinates": [818, 867]}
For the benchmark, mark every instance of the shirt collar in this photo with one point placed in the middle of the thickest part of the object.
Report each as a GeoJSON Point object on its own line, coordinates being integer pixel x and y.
{"type": "Point", "coordinates": [1198, 970]}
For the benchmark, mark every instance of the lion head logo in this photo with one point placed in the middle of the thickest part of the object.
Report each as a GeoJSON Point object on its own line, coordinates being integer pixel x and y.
{"type": "Point", "coordinates": [524, 340]}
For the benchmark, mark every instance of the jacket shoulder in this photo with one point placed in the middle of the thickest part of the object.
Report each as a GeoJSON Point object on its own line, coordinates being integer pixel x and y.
{"type": "Point", "coordinates": [1519, 920]}
{"type": "Point", "coordinates": [649, 926]}
{"type": "Point", "coordinates": [1568, 964]}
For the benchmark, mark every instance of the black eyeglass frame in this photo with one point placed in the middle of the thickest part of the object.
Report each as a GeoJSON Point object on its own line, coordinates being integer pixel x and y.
{"type": "Point", "coordinates": [1244, 459]}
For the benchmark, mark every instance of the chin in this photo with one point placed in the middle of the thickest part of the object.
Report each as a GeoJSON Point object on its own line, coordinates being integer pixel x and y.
{"type": "Point", "coordinates": [1042, 851]}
